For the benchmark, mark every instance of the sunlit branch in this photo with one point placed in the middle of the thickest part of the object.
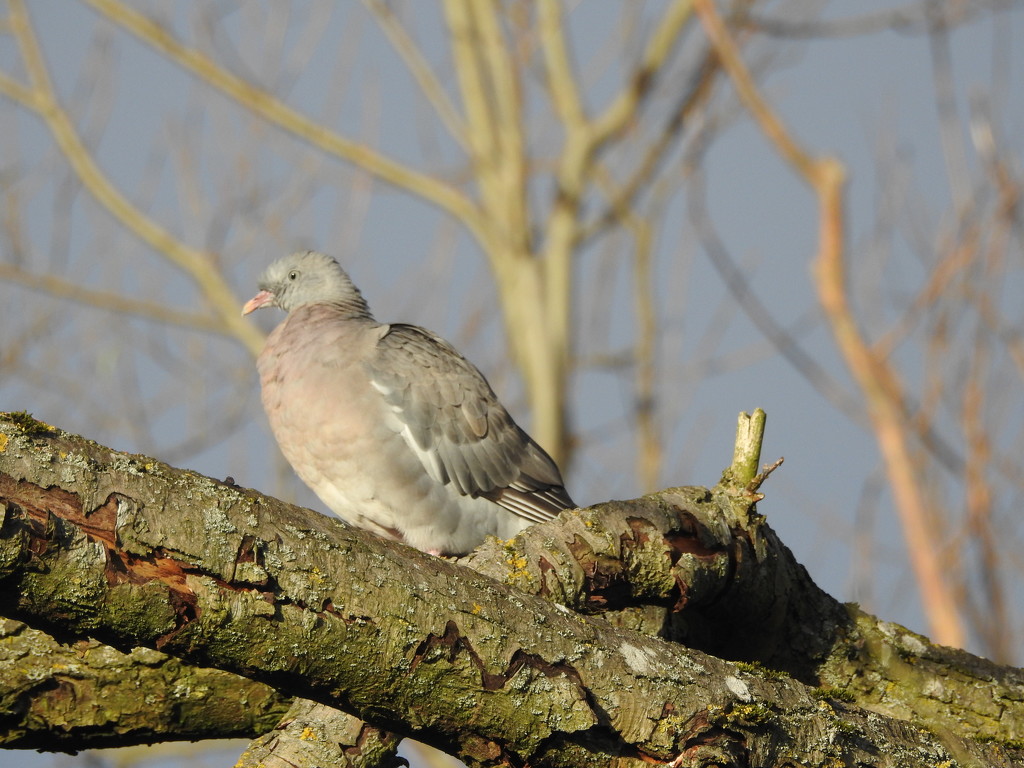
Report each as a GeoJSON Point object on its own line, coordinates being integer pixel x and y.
{"type": "Point", "coordinates": [420, 69]}
{"type": "Point", "coordinates": [111, 302]}
{"type": "Point", "coordinates": [267, 106]}
{"type": "Point", "coordinates": [875, 377]}
{"type": "Point", "coordinates": [195, 263]}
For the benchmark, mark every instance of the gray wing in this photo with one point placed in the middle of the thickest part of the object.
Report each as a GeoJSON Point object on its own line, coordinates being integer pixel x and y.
{"type": "Point", "coordinates": [452, 420]}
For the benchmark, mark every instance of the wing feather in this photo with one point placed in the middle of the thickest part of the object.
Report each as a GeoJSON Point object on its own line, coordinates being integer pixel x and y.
{"type": "Point", "coordinates": [451, 419]}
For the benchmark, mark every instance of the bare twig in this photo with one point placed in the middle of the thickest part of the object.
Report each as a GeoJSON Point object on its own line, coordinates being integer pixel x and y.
{"type": "Point", "coordinates": [875, 377]}
{"type": "Point", "coordinates": [198, 265]}
{"type": "Point", "coordinates": [420, 69]}
{"type": "Point", "coordinates": [273, 110]}
{"type": "Point", "coordinates": [110, 301]}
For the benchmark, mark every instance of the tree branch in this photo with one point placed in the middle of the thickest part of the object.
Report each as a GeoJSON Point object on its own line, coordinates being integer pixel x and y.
{"type": "Point", "coordinates": [137, 553]}
{"type": "Point", "coordinates": [270, 108]}
{"type": "Point", "coordinates": [42, 99]}
{"type": "Point", "coordinates": [420, 69]}
{"type": "Point", "coordinates": [875, 376]}
{"type": "Point", "coordinates": [110, 301]}
{"type": "Point", "coordinates": [84, 694]}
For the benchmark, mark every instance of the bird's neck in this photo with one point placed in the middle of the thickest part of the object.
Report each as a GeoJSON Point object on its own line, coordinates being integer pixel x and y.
{"type": "Point", "coordinates": [354, 308]}
{"type": "Point", "coordinates": [349, 308]}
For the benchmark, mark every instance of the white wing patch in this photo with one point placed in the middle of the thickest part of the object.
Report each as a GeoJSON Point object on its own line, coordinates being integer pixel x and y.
{"type": "Point", "coordinates": [428, 456]}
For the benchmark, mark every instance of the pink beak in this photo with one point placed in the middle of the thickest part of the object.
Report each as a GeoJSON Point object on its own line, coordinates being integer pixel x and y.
{"type": "Point", "coordinates": [261, 299]}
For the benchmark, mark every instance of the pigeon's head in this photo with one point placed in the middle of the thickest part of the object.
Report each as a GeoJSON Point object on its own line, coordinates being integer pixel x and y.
{"type": "Point", "coordinates": [304, 278]}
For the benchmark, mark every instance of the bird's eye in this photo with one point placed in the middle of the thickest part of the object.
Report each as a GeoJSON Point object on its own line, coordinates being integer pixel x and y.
{"type": "Point", "coordinates": [293, 275]}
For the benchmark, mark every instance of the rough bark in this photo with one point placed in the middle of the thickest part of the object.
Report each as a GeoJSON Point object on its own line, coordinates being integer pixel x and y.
{"type": "Point", "coordinates": [701, 568]}
{"type": "Point", "coordinates": [82, 694]}
{"type": "Point", "coordinates": [133, 552]}
{"type": "Point", "coordinates": [314, 734]}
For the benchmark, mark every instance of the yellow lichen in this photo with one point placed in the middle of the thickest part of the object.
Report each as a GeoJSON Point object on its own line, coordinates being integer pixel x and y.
{"type": "Point", "coordinates": [27, 424]}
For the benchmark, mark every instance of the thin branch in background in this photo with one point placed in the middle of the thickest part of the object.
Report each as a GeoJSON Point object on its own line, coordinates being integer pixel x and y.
{"type": "Point", "coordinates": [981, 433]}
{"type": "Point", "coordinates": [913, 18]}
{"type": "Point", "coordinates": [954, 259]}
{"type": "Point", "coordinates": [276, 112]}
{"type": "Point", "coordinates": [584, 139]}
{"type": "Point", "coordinates": [877, 381]}
{"type": "Point", "coordinates": [863, 572]}
{"type": "Point", "coordinates": [109, 301]}
{"type": "Point", "coordinates": [561, 80]}
{"type": "Point", "coordinates": [421, 71]}
{"type": "Point", "coordinates": [43, 101]}
{"type": "Point", "coordinates": [751, 305]}
{"type": "Point", "coordinates": [957, 174]}
{"type": "Point", "coordinates": [998, 162]}
{"type": "Point", "coordinates": [993, 624]}
{"type": "Point", "coordinates": [944, 265]}
{"type": "Point", "coordinates": [646, 170]}
{"type": "Point", "coordinates": [649, 454]}
{"type": "Point", "coordinates": [43, 326]}
{"type": "Point", "coordinates": [661, 46]}
{"type": "Point", "coordinates": [919, 412]}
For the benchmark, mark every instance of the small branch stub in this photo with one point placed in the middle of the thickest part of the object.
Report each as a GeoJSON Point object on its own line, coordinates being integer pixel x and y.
{"type": "Point", "coordinates": [747, 452]}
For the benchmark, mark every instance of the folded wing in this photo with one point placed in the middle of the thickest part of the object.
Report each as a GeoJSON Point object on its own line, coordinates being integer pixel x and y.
{"type": "Point", "coordinates": [451, 419]}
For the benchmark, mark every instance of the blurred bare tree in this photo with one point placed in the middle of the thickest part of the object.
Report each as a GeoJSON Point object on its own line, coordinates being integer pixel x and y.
{"type": "Point", "coordinates": [563, 148]}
